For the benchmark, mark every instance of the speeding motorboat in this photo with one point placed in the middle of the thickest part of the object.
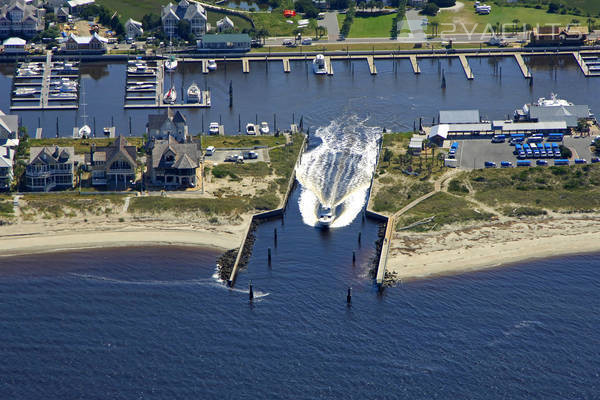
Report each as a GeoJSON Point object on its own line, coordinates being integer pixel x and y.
{"type": "Point", "coordinates": [324, 216]}
{"type": "Point", "coordinates": [250, 129]}
{"type": "Point", "coordinates": [319, 67]}
{"type": "Point", "coordinates": [264, 128]}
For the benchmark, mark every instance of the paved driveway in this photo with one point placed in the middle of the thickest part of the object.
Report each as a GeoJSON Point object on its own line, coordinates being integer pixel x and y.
{"type": "Point", "coordinates": [331, 23]}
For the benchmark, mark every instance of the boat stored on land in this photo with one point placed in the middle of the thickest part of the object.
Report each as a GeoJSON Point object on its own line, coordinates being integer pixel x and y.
{"type": "Point", "coordinates": [264, 128]}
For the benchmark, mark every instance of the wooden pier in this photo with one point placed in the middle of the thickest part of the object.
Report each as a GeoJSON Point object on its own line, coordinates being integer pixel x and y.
{"type": "Point", "coordinates": [204, 66]}
{"type": "Point", "coordinates": [522, 65]}
{"type": "Point", "coordinates": [245, 65]}
{"type": "Point", "coordinates": [466, 66]}
{"type": "Point", "coordinates": [38, 133]}
{"type": "Point", "coordinates": [286, 65]}
{"type": "Point", "coordinates": [415, 64]}
{"type": "Point", "coordinates": [372, 67]}
{"type": "Point", "coordinates": [584, 68]}
{"type": "Point", "coordinates": [328, 66]}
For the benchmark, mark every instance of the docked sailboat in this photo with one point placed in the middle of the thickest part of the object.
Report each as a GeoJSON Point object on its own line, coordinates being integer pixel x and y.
{"type": "Point", "coordinates": [319, 67]}
{"type": "Point", "coordinates": [193, 93]}
{"type": "Point", "coordinates": [85, 131]}
{"type": "Point", "coordinates": [171, 63]}
{"type": "Point", "coordinates": [171, 96]}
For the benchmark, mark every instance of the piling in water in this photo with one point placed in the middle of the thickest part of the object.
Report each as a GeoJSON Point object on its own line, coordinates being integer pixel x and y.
{"type": "Point", "coordinates": [250, 291]}
{"type": "Point", "coordinates": [349, 296]}
{"type": "Point", "coordinates": [359, 235]}
{"type": "Point", "coordinates": [353, 257]}
{"type": "Point", "coordinates": [269, 255]}
{"type": "Point", "coordinates": [275, 235]}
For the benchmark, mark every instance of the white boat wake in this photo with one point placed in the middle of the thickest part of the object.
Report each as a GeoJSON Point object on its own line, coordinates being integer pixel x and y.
{"type": "Point", "coordinates": [338, 172]}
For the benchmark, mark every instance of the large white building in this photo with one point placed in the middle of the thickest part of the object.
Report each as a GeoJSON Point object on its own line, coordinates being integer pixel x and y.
{"type": "Point", "coordinates": [190, 11]}
{"type": "Point", "coordinates": [18, 18]}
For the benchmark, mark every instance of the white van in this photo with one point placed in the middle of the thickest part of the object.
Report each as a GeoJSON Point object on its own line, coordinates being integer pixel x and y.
{"type": "Point", "coordinates": [210, 150]}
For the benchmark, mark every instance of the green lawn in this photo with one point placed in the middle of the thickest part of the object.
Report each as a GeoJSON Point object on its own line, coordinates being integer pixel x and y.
{"type": "Point", "coordinates": [241, 141]}
{"type": "Point", "coordinates": [276, 23]}
{"type": "Point", "coordinates": [363, 27]}
{"type": "Point", "coordinates": [467, 21]}
{"type": "Point", "coordinates": [135, 9]}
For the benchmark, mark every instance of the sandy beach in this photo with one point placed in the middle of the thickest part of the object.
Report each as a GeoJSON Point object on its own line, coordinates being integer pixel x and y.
{"type": "Point", "coordinates": [456, 249]}
{"type": "Point", "coordinates": [77, 233]}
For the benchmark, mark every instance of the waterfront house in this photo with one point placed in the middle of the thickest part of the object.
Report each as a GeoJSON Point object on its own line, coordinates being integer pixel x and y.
{"type": "Point", "coordinates": [49, 168]}
{"type": "Point", "coordinates": [14, 45]}
{"type": "Point", "coordinates": [190, 11]}
{"type": "Point", "coordinates": [169, 123]}
{"type": "Point", "coordinates": [556, 35]}
{"type": "Point", "coordinates": [7, 156]}
{"type": "Point", "coordinates": [89, 44]}
{"type": "Point", "coordinates": [225, 42]}
{"type": "Point", "coordinates": [133, 28]}
{"type": "Point", "coordinates": [19, 18]}
{"type": "Point", "coordinates": [225, 24]}
{"type": "Point", "coordinates": [9, 126]}
{"type": "Point", "coordinates": [174, 165]}
{"type": "Point", "coordinates": [76, 5]}
{"type": "Point", "coordinates": [113, 166]}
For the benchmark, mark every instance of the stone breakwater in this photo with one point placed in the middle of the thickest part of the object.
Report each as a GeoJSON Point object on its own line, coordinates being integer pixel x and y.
{"type": "Point", "coordinates": [226, 261]}
{"type": "Point", "coordinates": [378, 245]}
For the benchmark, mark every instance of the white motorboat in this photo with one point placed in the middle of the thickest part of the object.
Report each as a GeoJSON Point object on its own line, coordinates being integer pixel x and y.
{"type": "Point", "coordinates": [171, 96]}
{"type": "Point", "coordinates": [171, 63]}
{"type": "Point", "coordinates": [28, 72]}
{"type": "Point", "coordinates": [25, 92]}
{"type": "Point", "coordinates": [67, 87]}
{"type": "Point", "coordinates": [553, 101]}
{"type": "Point", "coordinates": [250, 129]}
{"type": "Point", "coordinates": [139, 69]}
{"type": "Point", "coordinates": [319, 67]}
{"type": "Point", "coordinates": [106, 131]}
{"type": "Point", "coordinates": [193, 94]}
{"type": "Point", "coordinates": [213, 128]}
{"type": "Point", "coordinates": [85, 132]}
{"type": "Point", "coordinates": [63, 95]}
{"type": "Point", "coordinates": [264, 128]}
{"type": "Point", "coordinates": [145, 86]}
{"type": "Point", "coordinates": [325, 216]}
{"type": "Point", "coordinates": [212, 65]}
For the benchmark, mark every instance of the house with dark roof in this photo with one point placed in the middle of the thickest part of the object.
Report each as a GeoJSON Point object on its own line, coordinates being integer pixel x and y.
{"type": "Point", "coordinates": [90, 44]}
{"type": "Point", "coordinates": [225, 24]}
{"type": "Point", "coordinates": [18, 18]}
{"type": "Point", "coordinates": [169, 123]}
{"type": "Point", "coordinates": [113, 166]}
{"type": "Point", "coordinates": [190, 11]}
{"type": "Point", "coordinates": [174, 165]}
{"type": "Point", "coordinates": [49, 168]}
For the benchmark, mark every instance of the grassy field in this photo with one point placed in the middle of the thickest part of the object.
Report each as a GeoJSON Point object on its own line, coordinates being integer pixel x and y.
{"type": "Point", "coordinates": [6, 208]}
{"type": "Point", "coordinates": [276, 24]}
{"type": "Point", "coordinates": [56, 205]}
{"type": "Point", "coordinates": [561, 189]}
{"type": "Point", "coordinates": [283, 161]}
{"type": "Point", "coordinates": [235, 171]}
{"type": "Point", "coordinates": [445, 209]}
{"type": "Point", "coordinates": [363, 27]}
{"type": "Point", "coordinates": [135, 9]}
{"type": "Point", "coordinates": [242, 141]}
{"type": "Point", "coordinates": [81, 145]}
{"type": "Point", "coordinates": [467, 21]}
{"type": "Point", "coordinates": [158, 205]}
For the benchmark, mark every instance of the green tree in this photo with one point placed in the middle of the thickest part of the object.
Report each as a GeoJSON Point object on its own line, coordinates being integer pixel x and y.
{"type": "Point", "coordinates": [430, 9]}
{"type": "Point", "coordinates": [515, 23]}
{"type": "Point", "coordinates": [184, 29]}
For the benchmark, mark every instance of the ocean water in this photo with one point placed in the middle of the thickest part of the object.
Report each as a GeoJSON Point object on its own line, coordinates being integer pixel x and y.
{"type": "Point", "coordinates": [153, 323]}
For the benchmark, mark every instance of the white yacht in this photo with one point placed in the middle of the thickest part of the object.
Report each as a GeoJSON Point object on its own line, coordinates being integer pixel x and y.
{"type": "Point", "coordinates": [212, 65]}
{"type": "Point", "coordinates": [193, 94]}
{"type": "Point", "coordinates": [213, 128]}
{"type": "Point", "coordinates": [250, 129]}
{"type": "Point", "coordinates": [171, 96]}
{"type": "Point", "coordinates": [264, 128]}
{"type": "Point", "coordinates": [324, 216]}
{"type": "Point", "coordinates": [319, 65]}
{"type": "Point", "coordinates": [25, 92]}
{"type": "Point", "coordinates": [522, 114]}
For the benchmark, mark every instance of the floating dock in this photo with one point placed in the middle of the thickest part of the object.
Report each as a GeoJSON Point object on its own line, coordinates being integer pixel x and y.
{"type": "Point", "coordinates": [522, 65]}
{"type": "Point", "coordinates": [286, 65]}
{"type": "Point", "coordinates": [372, 67]}
{"type": "Point", "coordinates": [466, 66]}
{"type": "Point", "coordinates": [415, 64]}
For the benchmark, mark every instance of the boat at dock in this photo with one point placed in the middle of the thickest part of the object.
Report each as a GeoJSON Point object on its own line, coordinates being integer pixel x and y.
{"type": "Point", "coordinates": [25, 92]}
{"type": "Point", "coordinates": [171, 96]}
{"type": "Point", "coordinates": [264, 128]}
{"type": "Point", "coordinates": [171, 63]}
{"type": "Point", "coordinates": [523, 113]}
{"type": "Point", "coordinates": [140, 68]}
{"type": "Point", "coordinates": [212, 65]}
{"type": "Point", "coordinates": [319, 67]}
{"type": "Point", "coordinates": [250, 129]}
{"type": "Point", "coordinates": [213, 128]}
{"type": "Point", "coordinates": [193, 93]}
{"type": "Point", "coordinates": [29, 71]}
{"type": "Point", "coordinates": [145, 86]}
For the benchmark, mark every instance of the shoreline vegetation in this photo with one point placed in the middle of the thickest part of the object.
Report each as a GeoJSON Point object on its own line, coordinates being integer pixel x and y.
{"type": "Point", "coordinates": [216, 218]}
{"type": "Point", "coordinates": [451, 221]}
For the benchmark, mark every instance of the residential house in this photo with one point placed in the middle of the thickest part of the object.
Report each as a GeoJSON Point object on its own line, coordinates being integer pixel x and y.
{"type": "Point", "coordinates": [76, 5]}
{"type": "Point", "coordinates": [7, 156]}
{"type": "Point", "coordinates": [174, 165]}
{"type": "Point", "coordinates": [190, 11]}
{"type": "Point", "coordinates": [62, 14]}
{"type": "Point", "coordinates": [9, 126]}
{"type": "Point", "coordinates": [49, 168]}
{"type": "Point", "coordinates": [14, 45]}
{"type": "Point", "coordinates": [225, 24]}
{"type": "Point", "coordinates": [556, 35]}
{"type": "Point", "coordinates": [225, 42]}
{"type": "Point", "coordinates": [133, 28]}
{"type": "Point", "coordinates": [92, 44]}
{"type": "Point", "coordinates": [113, 166]}
{"type": "Point", "coordinates": [161, 126]}
{"type": "Point", "coordinates": [21, 19]}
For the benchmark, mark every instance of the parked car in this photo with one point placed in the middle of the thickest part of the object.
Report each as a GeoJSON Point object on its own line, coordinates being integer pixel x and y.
{"type": "Point", "coordinates": [490, 164]}
{"type": "Point", "coordinates": [250, 155]}
{"type": "Point", "coordinates": [288, 42]}
{"type": "Point", "coordinates": [306, 42]}
{"type": "Point", "coordinates": [234, 158]}
{"type": "Point", "coordinates": [498, 139]}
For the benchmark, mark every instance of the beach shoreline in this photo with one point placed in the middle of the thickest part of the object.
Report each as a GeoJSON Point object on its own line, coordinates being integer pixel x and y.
{"type": "Point", "coordinates": [457, 250]}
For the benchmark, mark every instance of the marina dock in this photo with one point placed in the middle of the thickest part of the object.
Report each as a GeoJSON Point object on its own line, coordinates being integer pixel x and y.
{"type": "Point", "coordinates": [286, 65]}
{"type": "Point", "coordinates": [582, 64]}
{"type": "Point", "coordinates": [372, 67]}
{"type": "Point", "coordinates": [522, 65]}
{"type": "Point", "coordinates": [466, 67]}
{"type": "Point", "coordinates": [328, 66]}
{"type": "Point", "coordinates": [204, 66]}
{"type": "Point", "coordinates": [415, 64]}
{"type": "Point", "coordinates": [245, 65]}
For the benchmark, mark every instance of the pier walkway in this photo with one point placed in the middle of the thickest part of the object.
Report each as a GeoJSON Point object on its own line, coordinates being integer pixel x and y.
{"type": "Point", "coordinates": [584, 68]}
{"type": "Point", "coordinates": [415, 64]}
{"type": "Point", "coordinates": [46, 80]}
{"type": "Point", "coordinates": [286, 65]}
{"type": "Point", "coordinates": [466, 66]}
{"type": "Point", "coordinates": [523, 66]}
{"type": "Point", "coordinates": [372, 67]}
{"type": "Point", "coordinates": [245, 65]}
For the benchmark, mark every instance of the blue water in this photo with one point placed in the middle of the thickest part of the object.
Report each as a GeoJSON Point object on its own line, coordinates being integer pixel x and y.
{"type": "Point", "coordinates": [152, 323]}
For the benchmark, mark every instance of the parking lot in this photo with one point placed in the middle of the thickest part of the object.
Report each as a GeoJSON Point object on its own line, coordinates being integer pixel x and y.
{"type": "Point", "coordinates": [220, 154]}
{"type": "Point", "coordinates": [473, 153]}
